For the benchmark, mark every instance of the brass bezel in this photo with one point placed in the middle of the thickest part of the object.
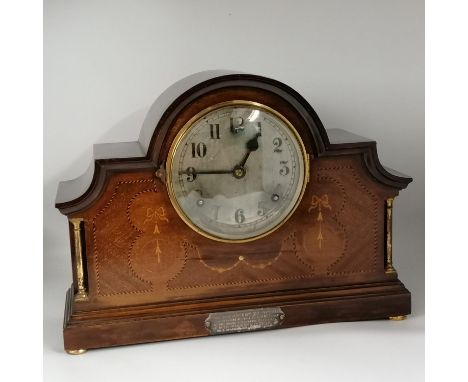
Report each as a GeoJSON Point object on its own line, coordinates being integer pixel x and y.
{"type": "Point", "coordinates": [182, 133]}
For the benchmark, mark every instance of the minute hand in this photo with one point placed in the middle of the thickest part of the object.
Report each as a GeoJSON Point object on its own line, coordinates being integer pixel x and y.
{"type": "Point", "coordinates": [252, 145]}
{"type": "Point", "coordinates": [192, 171]}
{"type": "Point", "coordinates": [214, 172]}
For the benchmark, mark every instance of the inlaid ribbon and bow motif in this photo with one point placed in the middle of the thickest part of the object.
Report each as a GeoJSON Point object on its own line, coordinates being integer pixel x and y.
{"type": "Point", "coordinates": [156, 253]}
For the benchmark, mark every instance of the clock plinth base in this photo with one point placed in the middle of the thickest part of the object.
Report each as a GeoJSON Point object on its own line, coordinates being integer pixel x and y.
{"type": "Point", "coordinates": [160, 322]}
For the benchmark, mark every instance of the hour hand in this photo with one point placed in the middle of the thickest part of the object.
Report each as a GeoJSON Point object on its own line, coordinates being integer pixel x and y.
{"type": "Point", "coordinates": [252, 145]}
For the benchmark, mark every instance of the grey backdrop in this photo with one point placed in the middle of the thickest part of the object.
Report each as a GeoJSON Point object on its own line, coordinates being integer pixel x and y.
{"type": "Point", "coordinates": [360, 63]}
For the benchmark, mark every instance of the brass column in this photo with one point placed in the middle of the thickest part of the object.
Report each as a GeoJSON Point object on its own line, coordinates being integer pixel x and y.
{"type": "Point", "coordinates": [388, 256]}
{"type": "Point", "coordinates": [81, 294]}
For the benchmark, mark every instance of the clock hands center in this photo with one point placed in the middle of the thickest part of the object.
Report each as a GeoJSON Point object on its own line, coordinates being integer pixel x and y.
{"type": "Point", "coordinates": [238, 171]}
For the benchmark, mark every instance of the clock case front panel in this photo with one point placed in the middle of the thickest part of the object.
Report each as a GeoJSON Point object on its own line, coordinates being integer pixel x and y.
{"type": "Point", "coordinates": [141, 274]}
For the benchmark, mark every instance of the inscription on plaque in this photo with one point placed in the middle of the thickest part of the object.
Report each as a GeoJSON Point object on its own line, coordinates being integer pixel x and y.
{"type": "Point", "coordinates": [244, 320]}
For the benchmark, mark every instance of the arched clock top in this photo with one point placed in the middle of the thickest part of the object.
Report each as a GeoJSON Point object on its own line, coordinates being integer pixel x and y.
{"type": "Point", "coordinates": [194, 93]}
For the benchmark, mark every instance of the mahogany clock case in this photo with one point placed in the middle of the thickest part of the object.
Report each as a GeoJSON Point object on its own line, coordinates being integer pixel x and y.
{"type": "Point", "coordinates": [140, 274]}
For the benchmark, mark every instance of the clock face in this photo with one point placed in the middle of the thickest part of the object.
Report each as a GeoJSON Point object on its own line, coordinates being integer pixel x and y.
{"type": "Point", "coordinates": [236, 171]}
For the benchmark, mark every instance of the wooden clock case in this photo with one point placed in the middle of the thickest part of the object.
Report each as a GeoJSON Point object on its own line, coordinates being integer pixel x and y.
{"type": "Point", "coordinates": [140, 274]}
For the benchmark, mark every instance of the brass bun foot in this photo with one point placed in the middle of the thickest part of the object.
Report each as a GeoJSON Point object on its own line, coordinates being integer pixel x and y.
{"type": "Point", "coordinates": [397, 318]}
{"type": "Point", "coordinates": [76, 352]}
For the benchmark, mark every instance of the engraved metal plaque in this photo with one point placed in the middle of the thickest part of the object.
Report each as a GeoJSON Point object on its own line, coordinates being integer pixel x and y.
{"type": "Point", "coordinates": [244, 320]}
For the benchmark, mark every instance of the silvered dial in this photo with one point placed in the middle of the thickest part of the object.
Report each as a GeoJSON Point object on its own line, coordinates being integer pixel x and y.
{"type": "Point", "coordinates": [236, 171]}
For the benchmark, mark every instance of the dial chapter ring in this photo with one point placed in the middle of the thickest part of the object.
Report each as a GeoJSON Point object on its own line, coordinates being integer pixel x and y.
{"type": "Point", "coordinates": [303, 157]}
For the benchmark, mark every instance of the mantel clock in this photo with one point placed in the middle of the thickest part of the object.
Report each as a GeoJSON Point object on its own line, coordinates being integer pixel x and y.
{"type": "Point", "coordinates": [236, 210]}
